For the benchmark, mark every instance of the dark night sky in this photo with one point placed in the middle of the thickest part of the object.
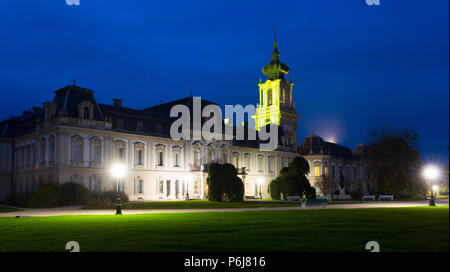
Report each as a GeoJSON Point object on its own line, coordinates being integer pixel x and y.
{"type": "Point", "coordinates": [355, 67]}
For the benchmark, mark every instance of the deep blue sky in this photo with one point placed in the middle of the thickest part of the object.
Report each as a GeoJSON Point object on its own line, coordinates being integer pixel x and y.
{"type": "Point", "coordinates": [355, 67]}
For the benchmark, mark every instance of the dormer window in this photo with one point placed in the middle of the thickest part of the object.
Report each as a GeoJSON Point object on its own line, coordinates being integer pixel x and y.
{"type": "Point", "coordinates": [87, 113]}
{"type": "Point", "coordinates": [119, 124]}
{"type": "Point", "coordinates": [86, 110]}
{"type": "Point", "coordinates": [140, 127]}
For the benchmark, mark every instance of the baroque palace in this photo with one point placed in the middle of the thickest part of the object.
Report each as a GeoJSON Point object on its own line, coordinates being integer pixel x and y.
{"type": "Point", "coordinates": [75, 139]}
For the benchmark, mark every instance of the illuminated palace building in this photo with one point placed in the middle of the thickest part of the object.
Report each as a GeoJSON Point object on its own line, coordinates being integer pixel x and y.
{"type": "Point", "coordinates": [75, 139]}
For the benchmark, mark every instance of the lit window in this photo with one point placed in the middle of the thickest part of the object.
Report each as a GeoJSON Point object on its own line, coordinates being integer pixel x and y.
{"type": "Point", "coordinates": [326, 171]}
{"type": "Point", "coordinates": [269, 97]}
{"type": "Point", "coordinates": [317, 171]}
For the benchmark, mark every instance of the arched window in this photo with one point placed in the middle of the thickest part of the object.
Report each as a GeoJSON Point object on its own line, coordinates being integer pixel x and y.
{"type": "Point", "coordinates": [210, 156]}
{"type": "Point", "coordinates": [77, 148]}
{"type": "Point", "coordinates": [269, 97]}
{"type": "Point", "coordinates": [168, 188]}
{"type": "Point", "coordinates": [42, 151]}
{"type": "Point", "coordinates": [96, 150]}
{"type": "Point", "coordinates": [196, 158]}
{"type": "Point", "coordinates": [120, 151]}
{"type": "Point", "coordinates": [139, 149]}
{"type": "Point", "coordinates": [51, 148]}
{"type": "Point", "coordinates": [247, 160]}
{"type": "Point", "coordinates": [161, 158]}
{"type": "Point", "coordinates": [161, 187]}
{"type": "Point", "coordinates": [177, 188]}
{"type": "Point", "coordinates": [260, 163]}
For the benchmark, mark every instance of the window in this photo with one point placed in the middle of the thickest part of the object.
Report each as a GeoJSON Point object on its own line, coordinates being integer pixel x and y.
{"type": "Point", "coordinates": [119, 124]}
{"type": "Point", "coordinates": [87, 113]}
{"type": "Point", "coordinates": [168, 188]}
{"type": "Point", "coordinates": [161, 187]}
{"type": "Point", "coordinates": [140, 127]}
{"type": "Point", "coordinates": [96, 149]}
{"type": "Point", "coordinates": [140, 186]}
{"type": "Point", "coordinates": [33, 155]}
{"type": "Point", "coordinates": [41, 151]}
{"type": "Point", "coordinates": [161, 158]}
{"type": "Point", "coordinates": [120, 185]}
{"type": "Point", "coordinates": [247, 161]}
{"type": "Point", "coordinates": [27, 156]}
{"type": "Point", "coordinates": [333, 172]}
{"type": "Point", "coordinates": [270, 164]}
{"type": "Point", "coordinates": [210, 156]}
{"type": "Point", "coordinates": [236, 160]}
{"type": "Point", "coordinates": [94, 184]}
{"type": "Point", "coordinates": [326, 171]}
{"type": "Point", "coordinates": [269, 97]}
{"type": "Point", "coordinates": [139, 160]}
{"type": "Point", "coordinates": [317, 171]}
{"type": "Point", "coordinates": [224, 157]}
{"type": "Point", "coordinates": [120, 151]}
{"type": "Point", "coordinates": [196, 158]}
{"type": "Point", "coordinates": [51, 148]}
{"type": "Point", "coordinates": [77, 148]}
{"type": "Point", "coordinates": [177, 159]}
{"type": "Point", "coordinates": [97, 153]}
{"type": "Point", "coordinates": [139, 155]}
{"type": "Point", "coordinates": [260, 163]}
{"type": "Point", "coordinates": [122, 154]}
{"type": "Point", "coordinates": [177, 188]}
{"type": "Point", "coordinates": [355, 176]}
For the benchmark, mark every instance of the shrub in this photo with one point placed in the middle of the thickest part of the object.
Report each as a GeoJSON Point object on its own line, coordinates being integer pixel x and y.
{"type": "Point", "coordinates": [274, 189]}
{"type": "Point", "coordinates": [310, 192]}
{"type": "Point", "coordinates": [72, 193]}
{"type": "Point", "coordinates": [356, 195]}
{"type": "Point", "coordinates": [18, 199]}
{"type": "Point", "coordinates": [224, 184]}
{"type": "Point", "coordinates": [96, 203]}
{"type": "Point", "coordinates": [46, 196]}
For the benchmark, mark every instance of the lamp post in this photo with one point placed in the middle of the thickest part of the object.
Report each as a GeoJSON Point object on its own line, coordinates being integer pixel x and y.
{"type": "Point", "coordinates": [260, 182]}
{"type": "Point", "coordinates": [431, 172]}
{"type": "Point", "coordinates": [118, 171]}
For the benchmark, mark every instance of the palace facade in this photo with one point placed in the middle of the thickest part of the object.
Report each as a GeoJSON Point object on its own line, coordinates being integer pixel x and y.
{"type": "Point", "coordinates": [75, 139]}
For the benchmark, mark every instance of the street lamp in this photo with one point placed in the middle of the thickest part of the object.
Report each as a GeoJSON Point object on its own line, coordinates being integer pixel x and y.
{"type": "Point", "coordinates": [431, 172]}
{"type": "Point", "coordinates": [118, 171]}
{"type": "Point", "coordinates": [260, 182]}
{"type": "Point", "coordinates": [188, 180]}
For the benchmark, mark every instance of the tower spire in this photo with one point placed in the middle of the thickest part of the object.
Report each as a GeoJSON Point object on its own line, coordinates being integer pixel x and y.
{"type": "Point", "coordinates": [275, 38]}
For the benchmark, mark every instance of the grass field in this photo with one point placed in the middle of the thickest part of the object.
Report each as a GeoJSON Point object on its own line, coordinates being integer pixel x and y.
{"type": "Point", "coordinates": [205, 204]}
{"type": "Point", "coordinates": [395, 229]}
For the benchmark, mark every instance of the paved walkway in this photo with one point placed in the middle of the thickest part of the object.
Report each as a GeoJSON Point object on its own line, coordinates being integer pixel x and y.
{"type": "Point", "coordinates": [76, 210]}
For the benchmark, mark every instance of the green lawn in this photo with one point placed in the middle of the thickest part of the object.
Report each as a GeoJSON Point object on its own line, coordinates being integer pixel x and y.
{"type": "Point", "coordinates": [396, 229]}
{"type": "Point", "coordinates": [205, 204]}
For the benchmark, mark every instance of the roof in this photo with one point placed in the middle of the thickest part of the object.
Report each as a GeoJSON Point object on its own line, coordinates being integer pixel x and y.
{"type": "Point", "coordinates": [315, 145]}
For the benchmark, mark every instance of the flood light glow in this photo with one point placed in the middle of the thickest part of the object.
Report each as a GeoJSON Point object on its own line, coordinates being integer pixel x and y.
{"type": "Point", "coordinates": [118, 170]}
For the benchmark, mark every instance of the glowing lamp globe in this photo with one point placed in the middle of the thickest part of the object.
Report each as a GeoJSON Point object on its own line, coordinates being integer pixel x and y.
{"type": "Point", "coordinates": [118, 170]}
{"type": "Point", "coordinates": [431, 172]}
